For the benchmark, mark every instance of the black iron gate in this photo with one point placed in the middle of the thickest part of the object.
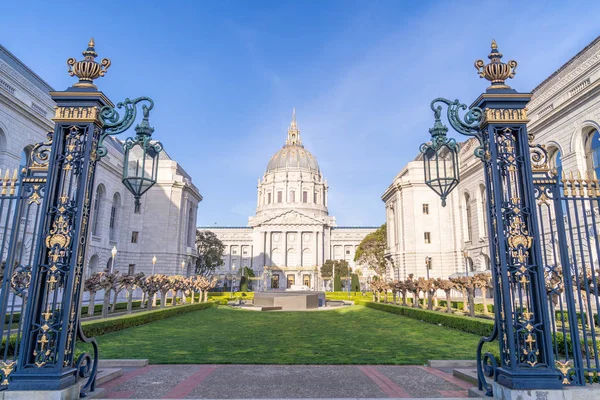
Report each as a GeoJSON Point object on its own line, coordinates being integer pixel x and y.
{"type": "Point", "coordinates": [21, 197]}
{"type": "Point", "coordinates": [568, 210]}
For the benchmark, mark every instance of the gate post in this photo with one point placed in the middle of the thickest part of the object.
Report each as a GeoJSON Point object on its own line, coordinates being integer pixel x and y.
{"type": "Point", "coordinates": [46, 357]}
{"type": "Point", "coordinates": [524, 332]}
{"type": "Point", "coordinates": [498, 120]}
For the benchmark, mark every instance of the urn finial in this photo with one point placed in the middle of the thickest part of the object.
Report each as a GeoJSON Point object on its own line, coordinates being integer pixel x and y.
{"type": "Point", "coordinates": [496, 71]}
{"type": "Point", "coordinates": [88, 69]}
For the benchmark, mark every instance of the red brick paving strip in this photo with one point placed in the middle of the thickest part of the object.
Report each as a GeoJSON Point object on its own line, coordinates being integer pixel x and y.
{"type": "Point", "coordinates": [126, 377]}
{"type": "Point", "coordinates": [448, 378]}
{"type": "Point", "coordinates": [192, 382]}
{"type": "Point", "coordinates": [386, 385]}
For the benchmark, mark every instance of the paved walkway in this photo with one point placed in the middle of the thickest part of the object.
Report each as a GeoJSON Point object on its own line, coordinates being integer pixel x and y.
{"type": "Point", "coordinates": [283, 381]}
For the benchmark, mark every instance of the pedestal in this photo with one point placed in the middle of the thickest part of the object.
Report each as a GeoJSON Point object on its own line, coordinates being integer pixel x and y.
{"type": "Point", "coordinates": [568, 393]}
{"type": "Point", "coordinates": [70, 393]}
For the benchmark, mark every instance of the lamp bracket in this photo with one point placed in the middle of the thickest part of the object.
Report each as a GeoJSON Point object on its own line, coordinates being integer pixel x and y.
{"type": "Point", "coordinates": [112, 124]}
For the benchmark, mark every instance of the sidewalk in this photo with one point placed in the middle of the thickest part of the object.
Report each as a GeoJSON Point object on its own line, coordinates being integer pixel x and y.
{"type": "Point", "coordinates": [283, 381]}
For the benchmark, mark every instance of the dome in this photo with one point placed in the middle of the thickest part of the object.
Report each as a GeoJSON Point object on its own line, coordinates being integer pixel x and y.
{"type": "Point", "coordinates": [293, 154]}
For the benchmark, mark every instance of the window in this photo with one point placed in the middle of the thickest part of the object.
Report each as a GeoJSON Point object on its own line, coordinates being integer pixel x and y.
{"type": "Point", "coordinates": [469, 230]}
{"type": "Point", "coordinates": [275, 282]}
{"type": "Point", "coordinates": [307, 259]}
{"type": "Point", "coordinates": [114, 210]}
{"type": "Point", "coordinates": [275, 258]}
{"type": "Point", "coordinates": [136, 208]}
{"type": "Point", "coordinates": [305, 197]}
{"type": "Point", "coordinates": [315, 198]}
{"type": "Point", "coordinates": [291, 258]}
{"type": "Point", "coordinates": [234, 251]}
{"type": "Point", "coordinates": [427, 237]}
{"type": "Point", "coordinates": [482, 193]}
{"type": "Point", "coordinates": [593, 153]}
{"type": "Point", "coordinates": [426, 209]}
{"type": "Point", "coordinates": [97, 206]}
{"type": "Point", "coordinates": [134, 236]}
{"type": "Point", "coordinates": [269, 198]}
{"type": "Point", "coordinates": [292, 197]}
{"type": "Point", "coordinates": [131, 269]}
{"type": "Point", "coordinates": [25, 157]}
{"type": "Point", "coordinates": [347, 251]}
{"type": "Point", "coordinates": [306, 280]}
{"type": "Point", "coordinates": [279, 197]}
{"type": "Point", "coordinates": [245, 251]}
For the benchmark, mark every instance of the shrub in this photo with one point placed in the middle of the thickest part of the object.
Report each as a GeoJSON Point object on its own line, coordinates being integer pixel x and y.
{"type": "Point", "coordinates": [102, 326]}
{"type": "Point", "coordinates": [478, 326]}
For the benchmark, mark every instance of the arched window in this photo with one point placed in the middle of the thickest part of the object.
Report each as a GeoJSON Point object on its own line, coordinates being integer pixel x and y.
{"type": "Point", "coordinates": [25, 157]}
{"type": "Point", "coordinates": [275, 258]}
{"type": "Point", "coordinates": [467, 216]}
{"type": "Point", "coordinates": [291, 255]}
{"type": "Point", "coordinates": [556, 160]}
{"type": "Point", "coordinates": [114, 216]}
{"type": "Point", "coordinates": [191, 228]}
{"type": "Point", "coordinates": [483, 211]}
{"type": "Point", "coordinates": [307, 260]}
{"type": "Point", "coordinates": [592, 153]}
{"type": "Point", "coordinates": [98, 200]}
{"type": "Point", "coordinates": [92, 265]}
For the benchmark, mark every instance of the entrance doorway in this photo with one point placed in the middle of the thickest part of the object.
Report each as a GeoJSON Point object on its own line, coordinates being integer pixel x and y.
{"type": "Point", "coordinates": [291, 280]}
{"type": "Point", "coordinates": [275, 282]}
{"type": "Point", "coordinates": [306, 280]}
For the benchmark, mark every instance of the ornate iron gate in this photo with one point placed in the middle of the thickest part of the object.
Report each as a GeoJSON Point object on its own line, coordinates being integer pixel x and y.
{"type": "Point", "coordinates": [21, 198]}
{"type": "Point", "coordinates": [568, 212]}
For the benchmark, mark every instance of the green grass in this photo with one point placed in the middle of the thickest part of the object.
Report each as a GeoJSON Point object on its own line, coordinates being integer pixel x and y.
{"type": "Point", "coordinates": [356, 335]}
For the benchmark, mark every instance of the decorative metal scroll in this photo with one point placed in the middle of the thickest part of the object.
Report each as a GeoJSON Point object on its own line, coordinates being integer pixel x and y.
{"type": "Point", "coordinates": [468, 125]}
{"type": "Point", "coordinates": [113, 124]}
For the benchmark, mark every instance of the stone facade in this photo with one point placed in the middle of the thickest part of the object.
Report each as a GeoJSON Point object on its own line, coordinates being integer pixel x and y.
{"type": "Point", "coordinates": [564, 115]}
{"type": "Point", "coordinates": [164, 224]}
{"type": "Point", "coordinates": [291, 235]}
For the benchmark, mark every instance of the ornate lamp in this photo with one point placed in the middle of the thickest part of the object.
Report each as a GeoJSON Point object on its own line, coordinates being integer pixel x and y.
{"type": "Point", "coordinates": [140, 164]}
{"type": "Point", "coordinates": [440, 159]}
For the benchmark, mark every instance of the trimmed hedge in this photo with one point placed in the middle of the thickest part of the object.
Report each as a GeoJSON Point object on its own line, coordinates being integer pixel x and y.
{"type": "Point", "coordinates": [477, 326]}
{"type": "Point", "coordinates": [102, 326]}
{"type": "Point", "coordinates": [236, 295]}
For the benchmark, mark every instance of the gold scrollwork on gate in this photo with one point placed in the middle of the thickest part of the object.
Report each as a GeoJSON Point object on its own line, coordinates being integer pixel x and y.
{"type": "Point", "coordinates": [7, 369]}
{"type": "Point", "coordinates": [505, 115]}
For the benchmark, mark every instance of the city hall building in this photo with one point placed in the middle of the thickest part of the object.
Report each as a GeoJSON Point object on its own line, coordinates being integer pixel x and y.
{"type": "Point", "coordinates": [292, 234]}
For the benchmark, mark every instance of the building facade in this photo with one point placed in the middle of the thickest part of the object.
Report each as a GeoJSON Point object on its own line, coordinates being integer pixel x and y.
{"type": "Point", "coordinates": [564, 114]}
{"type": "Point", "coordinates": [162, 226]}
{"type": "Point", "coordinates": [292, 234]}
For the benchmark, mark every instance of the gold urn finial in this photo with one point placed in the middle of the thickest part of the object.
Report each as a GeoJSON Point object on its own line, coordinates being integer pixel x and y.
{"type": "Point", "coordinates": [496, 71]}
{"type": "Point", "coordinates": [88, 69]}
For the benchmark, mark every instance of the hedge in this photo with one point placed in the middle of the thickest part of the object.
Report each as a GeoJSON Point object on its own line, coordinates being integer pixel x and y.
{"type": "Point", "coordinates": [106, 325]}
{"type": "Point", "coordinates": [236, 295]}
{"type": "Point", "coordinates": [477, 326]}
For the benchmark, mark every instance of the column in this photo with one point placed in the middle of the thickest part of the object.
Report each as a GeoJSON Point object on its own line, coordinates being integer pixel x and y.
{"type": "Point", "coordinates": [316, 248]}
{"type": "Point", "coordinates": [285, 259]}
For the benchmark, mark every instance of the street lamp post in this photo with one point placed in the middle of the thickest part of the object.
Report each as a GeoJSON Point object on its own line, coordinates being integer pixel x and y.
{"type": "Point", "coordinates": [428, 265]}
{"type": "Point", "coordinates": [153, 264]}
{"type": "Point", "coordinates": [232, 278]}
{"type": "Point", "coordinates": [498, 121]}
{"type": "Point", "coordinates": [114, 254]}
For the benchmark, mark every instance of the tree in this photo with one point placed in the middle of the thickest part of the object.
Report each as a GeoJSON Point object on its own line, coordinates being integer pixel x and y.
{"type": "Point", "coordinates": [337, 283]}
{"type": "Point", "coordinates": [355, 283]}
{"type": "Point", "coordinates": [411, 286]}
{"type": "Point", "coordinates": [484, 282]}
{"type": "Point", "coordinates": [341, 268]}
{"type": "Point", "coordinates": [467, 286]}
{"type": "Point", "coordinates": [371, 251]}
{"type": "Point", "coordinates": [447, 286]}
{"type": "Point", "coordinates": [210, 252]}
{"type": "Point", "coordinates": [92, 285]}
{"type": "Point", "coordinates": [129, 283]}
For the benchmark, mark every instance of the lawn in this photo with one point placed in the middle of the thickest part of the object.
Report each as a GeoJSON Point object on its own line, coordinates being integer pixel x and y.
{"type": "Point", "coordinates": [355, 335]}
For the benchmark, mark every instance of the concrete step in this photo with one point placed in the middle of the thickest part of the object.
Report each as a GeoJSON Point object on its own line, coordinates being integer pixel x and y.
{"type": "Point", "coordinates": [107, 374]}
{"type": "Point", "coordinates": [452, 363]}
{"type": "Point", "coordinates": [124, 363]}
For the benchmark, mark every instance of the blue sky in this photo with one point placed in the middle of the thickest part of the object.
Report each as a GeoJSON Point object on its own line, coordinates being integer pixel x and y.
{"type": "Point", "coordinates": [225, 75]}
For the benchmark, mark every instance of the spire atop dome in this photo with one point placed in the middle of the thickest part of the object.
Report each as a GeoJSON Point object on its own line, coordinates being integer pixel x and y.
{"type": "Point", "coordinates": [293, 138]}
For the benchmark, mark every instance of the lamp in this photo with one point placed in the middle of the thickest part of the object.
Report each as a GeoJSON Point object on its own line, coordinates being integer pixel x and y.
{"type": "Point", "coordinates": [153, 264]}
{"type": "Point", "coordinates": [114, 254]}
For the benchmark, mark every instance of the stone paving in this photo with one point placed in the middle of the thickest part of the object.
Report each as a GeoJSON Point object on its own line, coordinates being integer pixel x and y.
{"type": "Point", "coordinates": [283, 381]}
